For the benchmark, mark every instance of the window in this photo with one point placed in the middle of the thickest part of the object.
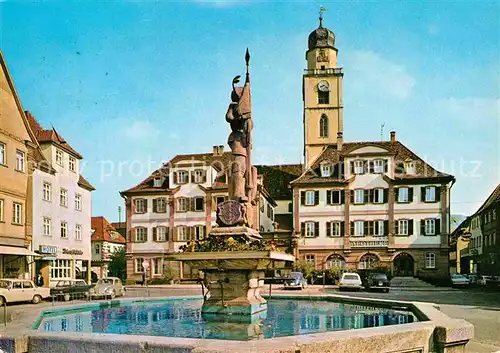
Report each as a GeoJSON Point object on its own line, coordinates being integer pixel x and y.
{"type": "Point", "coordinates": [359, 167]}
{"type": "Point", "coordinates": [199, 204]}
{"type": "Point", "coordinates": [402, 227]}
{"type": "Point", "coordinates": [310, 229]}
{"type": "Point", "coordinates": [221, 199]}
{"type": "Point", "coordinates": [157, 268]}
{"type": "Point", "coordinates": [430, 226]}
{"type": "Point", "coordinates": [1, 210]}
{"type": "Point", "coordinates": [326, 170]}
{"type": "Point", "coordinates": [368, 261]}
{"type": "Point", "coordinates": [161, 205]}
{"type": "Point", "coordinates": [72, 164]}
{"type": "Point", "coordinates": [78, 202]}
{"type": "Point", "coordinates": [182, 177]}
{"type": "Point", "coordinates": [141, 205]}
{"type": "Point", "coordinates": [59, 158]}
{"type": "Point", "coordinates": [63, 197]}
{"type": "Point", "coordinates": [141, 234]}
{"type": "Point", "coordinates": [182, 204]}
{"type": "Point", "coordinates": [199, 232]}
{"type": "Point", "coordinates": [403, 195]}
{"type": "Point", "coordinates": [379, 228]}
{"type": "Point", "coordinates": [78, 232]}
{"type": "Point", "coordinates": [378, 195]}
{"type": "Point", "coordinates": [20, 161]}
{"type": "Point", "coordinates": [47, 191]}
{"type": "Point", "coordinates": [64, 230]}
{"type": "Point", "coordinates": [47, 226]}
{"type": "Point", "coordinates": [97, 249]}
{"type": "Point", "coordinates": [138, 265]}
{"type": "Point", "coordinates": [323, 126]}
{"type": "Point", "coordinates": [311, 259]}
{"type": "Point", "coordinates": [430, 260]}
{"type": "Point", "coordinates": [17, 214]}
{"type": "Point", "coordinates": [161, 234]}
{"type": "Point", "coordinates": [335, 261]}
{"type": "Point", "coordinates": [378, 166]}
{"type": "Point", "coordinates": [359, 228]}
{"type": "Point", "coordinates": [359, 196]}
{"type": "Point", "coordinates": [410, 168]}
{"type": "Point", "coordinates": [2, 154]}
{"type": "Point", "coordinates": [157, 182]}
{"type": "Point", "coordinates": [198, 176]}
{"type": "Point", "coordinates": [335, 229]}
{"type": "Point", "coordinates": [323, 97]}
{"type": "Point", "coordinates": [60, 270]}
{"type": "Point", "coordinates": [310, 199]}
{"type": "Point", "coordinates": [182, 233]}
{"type": "Point", "coordinates": [430, 194]}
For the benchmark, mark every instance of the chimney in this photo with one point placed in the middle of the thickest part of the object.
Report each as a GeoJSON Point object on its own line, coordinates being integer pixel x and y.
{"type": "Point", "coordinates": [393, 136]}
{"type": "Point", "coordinates": [221, 150]}
{"type": "Point", "coordinates": [216, 150]}
{"type": "Point", "coordinates": [340, 140]}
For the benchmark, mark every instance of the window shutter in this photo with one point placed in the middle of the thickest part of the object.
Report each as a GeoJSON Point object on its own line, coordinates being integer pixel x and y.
{"type": "Point", "coordinates": [386, 195]}
{"type": "Point", "coordinates": [302, 229]}
{"type": "Point", "coordinates": [375, 227]}
{"type": "Point", "coordinates": [190, 233]}
{"type": "Point", "coordinates": [188, 204]}
{"type": "Point", "coordinates": [316, 197]}
{"type": "Point", "coordinates": [396, 194]}
{"type": "Point", "coordinates": [302, 197]}
{"type": "Point", "coordinates": [205, 235]}
{"type": "Point", "coordinates": [167, 234]}
{"type": "Point", "coordinates": [438, 226]}
{"type": "Point", "coordinates": [145, 205]}
{"type": "Point", "coordinates": [352, 167]}
{"type": "Point", "coordinates": [145, 235]}
{"type": "Point", "coordinates": [371, 167]}
{"type": "Point", "coordinates": [132, 235]}
{"type": "Point", "coordinates": [352, 228]}
{"type": "Point", "coordinates": [366, 196]}
{"type": "Point", "coordinates": [329, 197]}
{"type": "Point", "coordinates": [370, 227]}
{"type": "Point", "coordinates": [155, 232]}
{"type": "Point", "coordinates": [155, 205]}
{"type": "Point", "coordinates": [175, 177]}
{"type": "Point", "coordinates": [386, 227]}
{"type": "Point", "coordinates": [316, 229]}
{"type": "Point", "coordinates": [342, 228]}
{"type": "Point", "coordinates": [422, 227]}
{"type": "Point", "coordinates": [366, 167]}
{"type": "Point", "coordinates": [396, 227]}
{"type": "Point", "coordinates": [204, 176]}
{"type": "Point", "coordinates": [203, 203]}
{"type": "Point", "coordinates": [410, 194]}
{"type": "Point", "coordinates": [410, 227]}
{"type": "Point", "coordinates": [328, 229]}
{"type": "Point", "coordinates": [422, 194]}
{"type": "Point", "coordinates": [366, 229]}
{"type": "Point", "coordinates": [438, 193]}
{"type": "Point", "coordinates": [386, 165]}
{"type": "Point", "coordinates": [342, 197]}
{"type": "Point", "coordinates": [352, 196]}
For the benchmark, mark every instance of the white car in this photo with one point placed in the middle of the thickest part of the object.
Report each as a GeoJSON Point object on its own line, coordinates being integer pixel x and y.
{"type": "Point", "coordinates": [110, 287]}
{"type": "Point", "coordinates": [458, 280]}
{"type": "Point", "coordinates": [350, 281]}
{"type": "Point", "coordinates": [18, 290]}
{"type": "Point", "coordinates": [483, 280]}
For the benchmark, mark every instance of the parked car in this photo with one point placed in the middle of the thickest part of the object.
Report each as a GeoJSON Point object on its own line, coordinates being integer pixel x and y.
{"type": "Point", "coordinates": [17, 290]}
{"type": "Point", "coordinates": [71, 289]}
{"type": "Point", "coordinates": [377, 281]}
{"type": "Point", "coordinates": [350, 281]}
{"type": "Point", "coordinates": [295, 280]}
{"type": "Point", "coordinates": [473, 279]}
{"type": "Point", "coordinates": [483, 280]}
{"type": "Point", "coordinates": [458, 280]}
{"type": "Point", "coordinates": [110, 287]}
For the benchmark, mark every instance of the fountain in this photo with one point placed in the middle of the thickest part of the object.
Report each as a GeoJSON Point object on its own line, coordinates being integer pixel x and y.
{"type": "Point", "coordinates": [234, 257]}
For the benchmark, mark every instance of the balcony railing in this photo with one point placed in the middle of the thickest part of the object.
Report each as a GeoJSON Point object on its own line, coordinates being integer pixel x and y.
{"type": "Point", "coordinates": [330, 71]}
{"type": "Point", "coordinates": [370, 243]}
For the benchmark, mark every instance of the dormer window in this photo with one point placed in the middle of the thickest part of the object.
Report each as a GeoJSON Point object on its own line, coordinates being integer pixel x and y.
{"type": "Point", "coordinates": [359, 167]}
{"type": "Point", "coordinates": [326, 170]}
{"type": "Point", "coordinates": [198, 176]}
{"type": "Point", "coordinates": [182, 177]}
{"type": "Point", "coordinates": [410, 168]}
{"type": "Point", "coordinates": [157, 182]}
{"type": "Point", "coordinates": [379, 166]}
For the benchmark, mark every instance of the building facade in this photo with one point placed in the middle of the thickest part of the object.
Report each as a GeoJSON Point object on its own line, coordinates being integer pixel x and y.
{"type": "Point", "coordinates": [363, 204]}
{"type": "Point", "coordinates": [61, 209]}
{"type": "Point", "coordinates": [106, 240]}
{"type": "Point", "coordinates": [177, 204]}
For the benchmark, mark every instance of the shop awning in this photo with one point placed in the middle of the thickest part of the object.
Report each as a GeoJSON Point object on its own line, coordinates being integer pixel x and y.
{"type": "Point", "coordinates": [14, 250]}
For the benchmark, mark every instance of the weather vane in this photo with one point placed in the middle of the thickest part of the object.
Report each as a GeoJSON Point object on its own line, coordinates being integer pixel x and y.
{"type": "Point", "coordinates": [321, 10]}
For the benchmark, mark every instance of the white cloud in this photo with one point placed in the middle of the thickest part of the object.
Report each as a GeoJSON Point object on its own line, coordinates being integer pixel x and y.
{"type": "Point", "coordinates": [370, 71]}
{"type": "Point", "coordinates": [141, 130]}
{"type": "Point", "coordinates": [469, 110]}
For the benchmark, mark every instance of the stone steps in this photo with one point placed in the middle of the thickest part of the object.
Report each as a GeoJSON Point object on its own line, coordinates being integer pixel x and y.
{"type": "Point", "coordinates": [409, 282]}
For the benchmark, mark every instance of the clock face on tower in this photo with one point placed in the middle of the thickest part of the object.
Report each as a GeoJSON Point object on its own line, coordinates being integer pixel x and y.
{"type": "Point", "coordinates": [323, 86]}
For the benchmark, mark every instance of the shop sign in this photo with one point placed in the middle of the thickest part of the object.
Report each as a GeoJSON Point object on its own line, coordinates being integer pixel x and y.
{"type": "Point", "coordinates": [47, 249]}
{"type": "Point", "coordinates": [72, 251]}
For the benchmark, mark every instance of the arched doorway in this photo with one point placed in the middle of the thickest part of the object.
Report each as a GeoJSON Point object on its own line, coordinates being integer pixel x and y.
{"type": "Point", "coordinates": [404, 265]}
{"type": "Point", "coordinates": [368, 261]}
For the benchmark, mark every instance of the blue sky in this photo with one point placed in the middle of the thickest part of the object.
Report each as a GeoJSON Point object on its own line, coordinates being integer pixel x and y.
{"type": "Point", "coordinates": [132, 84]}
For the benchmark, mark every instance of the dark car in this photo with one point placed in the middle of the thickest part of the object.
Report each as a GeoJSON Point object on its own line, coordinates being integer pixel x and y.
{"type": "Point", "coordinates": [295, 280]}
{"type": "Point", "coordinates": [377, 281]}
{"type": "Point", "coordinates": [71, 289]}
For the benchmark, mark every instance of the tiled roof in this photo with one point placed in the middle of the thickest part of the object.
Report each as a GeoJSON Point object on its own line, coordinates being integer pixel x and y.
{"type": "Point", "coordinates": [493, 198]}
{"type": "Point", "coordinates": [51, 135]}
{"type": "Point", "coordinates": [82, 182]}
{"type": "Point", "coordinates": [276, 179]}
{"type": "Point", "coordinates": [396, 149]}
{"type": "Point", "coordinates": [104, 231]}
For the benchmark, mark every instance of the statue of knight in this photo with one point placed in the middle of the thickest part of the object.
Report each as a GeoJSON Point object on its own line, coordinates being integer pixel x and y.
{"type": "Point", "coordinates": [243, 176]}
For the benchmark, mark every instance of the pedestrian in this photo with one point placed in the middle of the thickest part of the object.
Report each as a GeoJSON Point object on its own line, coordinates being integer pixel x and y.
{"type": "Point", "coordinates": [39, 280]}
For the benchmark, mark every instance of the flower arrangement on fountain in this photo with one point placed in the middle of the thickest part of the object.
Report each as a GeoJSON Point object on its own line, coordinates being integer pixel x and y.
{"type": "Point", "coordinates": [234, 243]}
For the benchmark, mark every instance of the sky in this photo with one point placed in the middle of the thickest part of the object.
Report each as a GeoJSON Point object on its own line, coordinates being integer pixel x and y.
{"type": "Point", "coordinates": [131, 84]}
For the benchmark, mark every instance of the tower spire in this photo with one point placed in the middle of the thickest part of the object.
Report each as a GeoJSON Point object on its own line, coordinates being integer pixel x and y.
{"type": "Point", "coordinates": [321, 10]}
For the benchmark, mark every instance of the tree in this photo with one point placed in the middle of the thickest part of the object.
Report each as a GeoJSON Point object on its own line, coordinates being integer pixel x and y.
{"type": "Point", "coordinates": [118, 265]}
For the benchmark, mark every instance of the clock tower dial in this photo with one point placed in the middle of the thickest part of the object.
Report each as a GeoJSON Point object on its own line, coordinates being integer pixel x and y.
{"type": "Point", "coordinates": [323, 86]}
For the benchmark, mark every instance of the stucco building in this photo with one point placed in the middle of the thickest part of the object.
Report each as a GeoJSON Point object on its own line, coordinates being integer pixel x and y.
{"type": "Point", "coordinates": [106, 240]}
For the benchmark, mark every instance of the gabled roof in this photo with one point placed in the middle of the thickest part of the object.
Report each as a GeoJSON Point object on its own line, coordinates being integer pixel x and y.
{"type": "Point", "coordinates": [276, 179]}
{"type": "Point", "coordinates": [104, 231]}
{"type": "Point", "coordinates": [83, 183]}
{"type": "Point", "coordinates": [50, 136]}
{"type": "Point", "coordinates": [493, 198]}
{"type": "Point", "coordinates": [396, 149]}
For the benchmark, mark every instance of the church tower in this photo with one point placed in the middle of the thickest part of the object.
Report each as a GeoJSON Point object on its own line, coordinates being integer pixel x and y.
{"type": "Point", "coordinates": [322, 94]}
